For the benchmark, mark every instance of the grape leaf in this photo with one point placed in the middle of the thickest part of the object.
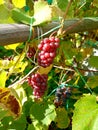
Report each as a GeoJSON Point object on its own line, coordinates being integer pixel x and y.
{"type": "Point", "coordinates": [93, 82]}
{"type": "Point", "coordinates": [10, 102]}
{"type": "Point", "coordinates": [30, 127]}
{"type": "Point", "coordinates": [62, 119]}
{"type": "Point", "coordinates": [4, 13]}
{"type": "Point", "coordinates": [3, 113]}
{"type": "Point", "coordinates": [20, 16]}
{"type": "Point", "coordinates": [42, 114]}
{"type": "Point", "coordinates": [15, 65]}
{"type": "Point", "coordinates": [11, 124]}
{"type": "Point", "coordinates": [42, 12]}
{"type": "Point", "coordinates": [20, 92]}
{"type": "Point", "coordinates": [85, 114]}
{"type": "Point", "coordinates": [93, 61]}
{"type": "Point", "coordinates": [19, 3]}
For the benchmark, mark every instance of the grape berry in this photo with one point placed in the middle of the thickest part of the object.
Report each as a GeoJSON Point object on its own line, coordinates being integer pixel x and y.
{"type": "Point", "coordinates": [38, 83]}
{"type": "Point", "coordinates": [47, 47]}
{"type": "Point", "coordinates": [61, 95]}
{"type": "Point", "coordinates": [31, 52]}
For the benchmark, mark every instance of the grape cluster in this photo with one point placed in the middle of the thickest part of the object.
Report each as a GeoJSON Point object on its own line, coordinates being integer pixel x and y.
{"type": "Point", "coordinates": [61, 95]}
{"type": "Point", "coordinates": [47, 47]}
{"type": "Point", "coordinates": [38, 83]}
{"type": "Point", "coordinates": [31, 52]}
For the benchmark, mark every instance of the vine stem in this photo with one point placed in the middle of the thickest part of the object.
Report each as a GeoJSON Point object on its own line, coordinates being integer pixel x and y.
{"type": "Point", "coordinates": [70, 68]}
{"type": "Point", "coordinates": [67, 9]}
{"type": "Point", "coordinates": [60, 67]}
{"type": "Point", "coordinates": [23, 79]}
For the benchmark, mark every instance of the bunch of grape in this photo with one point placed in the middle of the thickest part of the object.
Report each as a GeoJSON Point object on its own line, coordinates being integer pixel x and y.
{"type": "Point", "coordinates": [38, 83]}
{"type": "Point", "coordinates": [61, 95]}
{"type": "Point", "coordinates": [47, 47]}
{"type": "Point", "coordinates": [31, 52]}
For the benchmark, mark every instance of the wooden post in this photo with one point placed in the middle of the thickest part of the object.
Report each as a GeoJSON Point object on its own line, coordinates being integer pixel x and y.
{"type": "Point", "coordinates": [17, 33]}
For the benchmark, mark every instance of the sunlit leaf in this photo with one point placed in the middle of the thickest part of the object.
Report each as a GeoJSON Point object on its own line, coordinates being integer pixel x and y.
{"type": "Point", "coordinates": [45, 114]}
{"type": "Point", "coordinates": [49, 114]}
{"type": "Point", "coordinates": [62, 118]}
{"type": "Point", "coordinates": [85, 114]}
{"type": "Point", "coordinates": [1, 2]}
{"type": "Point", "coordinates": [42, 12]}
{"type": "Point", "coordinates": [4, 13]}
{"type": "Point", "coordinates": [19, 67]}
{"type": "Point", "coordinates": [19, 3]}
{"type": "Point", "coordinates": [20, 92]}
{"type": "Point", "coordinates": [15, 65]}
{"type": "Point", "coordinates": [3, 75]}
{"type": "Point", "coordinates": [13, 46]}
{"type": "Point", "coordinates": [10, 102]}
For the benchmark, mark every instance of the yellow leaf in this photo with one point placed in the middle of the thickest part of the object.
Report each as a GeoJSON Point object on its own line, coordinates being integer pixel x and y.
{"type": "Point", "coordinates": [1, 2]}
{"type": "Point", "coordinates": [3, 77]}
{"type": "Point", "coordinates": [13, 46]}
{"type": "Point", "coordinates": [19, 3]}
{"type": "Point", "coordinates": [10, 102]}
{"type": "Point", "coordinates": [46, 70]}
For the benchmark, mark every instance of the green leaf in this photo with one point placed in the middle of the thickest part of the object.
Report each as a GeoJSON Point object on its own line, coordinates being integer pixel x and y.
{"type": "Point", "coordinates": [19, 3]}
{"type": "Point", "coordinates": [3, 113]}
{"type": "Point", "coordinates": [85, 114]}
{"type": "Point", "coordinates": [4, 13]}
{"type": "Point", "coordinates": [42, 114]}
{"type": "Point", "coordinates": [3, 77]}
{"type": "Point", "coordinates": [20, 16]}
{"type": "Point", "coordinates": [93, 61]}
{"type": "Point", "coordinates": [19, 124]}
{"type": "Point", "coordinates": [93, 82]}
{"type": "Point", "coordinates": [61, 4]}
{"type": "Point", "coordinates": [62, 119]}
{"type": "Point", "coordinates": [31, 127]}
{"type": "Point", "coordinates": [8, 123]}
{"type": "Point", "coordinates": [49, 114]}
{"type": "Point", "coordinates": [42, 12]}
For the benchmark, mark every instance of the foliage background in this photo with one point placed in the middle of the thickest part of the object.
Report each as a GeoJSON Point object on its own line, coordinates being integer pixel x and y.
{"type": "Point", "coordinates": [75, 66]}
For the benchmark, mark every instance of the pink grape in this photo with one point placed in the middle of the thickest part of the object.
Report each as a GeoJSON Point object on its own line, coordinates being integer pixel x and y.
{"type": "Point", "coordinates": [47, 51]}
